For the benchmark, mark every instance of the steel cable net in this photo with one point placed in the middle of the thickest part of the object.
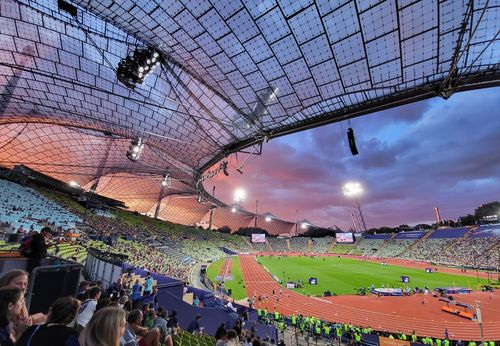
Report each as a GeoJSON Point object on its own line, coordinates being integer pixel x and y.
{"type": "Point", "coordinates": [234, 73]}
{"type": "Point", "coordinates": [182, 209]}
{"type": "Point", "coordinates": [225, 217]}
{"type": "Point", "coordinates": [71, 154]}
{"type": "Point", "coordinates": [276, 226]}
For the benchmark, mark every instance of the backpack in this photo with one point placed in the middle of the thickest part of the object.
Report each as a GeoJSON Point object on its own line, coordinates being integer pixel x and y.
{"type": "Point", "coordinates": [25, 247]}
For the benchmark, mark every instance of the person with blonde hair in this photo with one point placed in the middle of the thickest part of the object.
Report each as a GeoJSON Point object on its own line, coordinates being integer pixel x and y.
{"type": "Point", "coordinates": [105, 328]}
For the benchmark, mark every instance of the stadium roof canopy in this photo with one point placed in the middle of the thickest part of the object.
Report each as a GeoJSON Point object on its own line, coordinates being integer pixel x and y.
{"type": "Point", "coordinates": [235, 74]}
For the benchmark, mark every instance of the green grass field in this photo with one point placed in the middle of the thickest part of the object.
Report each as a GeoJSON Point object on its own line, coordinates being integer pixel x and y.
{"type": "Point", "coordinates": [344, 275]}
{"type": "Point", "coordinates": [237, 285]}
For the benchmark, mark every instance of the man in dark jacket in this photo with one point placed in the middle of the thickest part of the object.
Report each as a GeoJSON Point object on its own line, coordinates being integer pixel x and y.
{"type": "Point", "coordinates": [38, 248]}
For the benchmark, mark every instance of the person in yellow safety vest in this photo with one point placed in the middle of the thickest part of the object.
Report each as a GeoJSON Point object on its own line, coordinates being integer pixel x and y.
{"type": "Point", "coordinates": [294, 320]}
{"type": "Point", "coordinates": [282, 327]}
{"type": "Point", "coordinates": [265, 313]}
{"type": "Point", "coordinates": [357, 338]}
{"type": "Point", "coordinates": [438, 342]}
{"type": "Point", "coordinates": [338, 331]}
{"type": "Point", "coordinates": [446, 342]}
{"type": "Point", "coordinates": [302, 326]}
{"type": "Point", "coordinates": [276, 315]}
{"type": "Point", "coordinates": [414, 337]}
{"type": "Point", "coordinates": [326, 329]}
{"type": "Point", "coordinates": [390, 336]}
{"type": "Point", "coordinates": [259, 312]}
{"type": "Point", "coordinates": [472, 343]}
{"type": "Point", "coordinates": [317, 329]}
{"type": "Point", "coordinates": [492, 343]}
{"type": "Point", "coordinates": [402, 336]}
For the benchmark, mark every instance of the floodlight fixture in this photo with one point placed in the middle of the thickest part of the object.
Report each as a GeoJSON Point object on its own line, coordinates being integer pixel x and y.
{"type": "Point", "coordinates": [233, 210]}
{"type": "Point", "coordinates": [73, 184]}
{"type": "Point", "coordinates": [303, 225]}
{"type": "Point", "coordinates": [135, 149]}
{"type": "Point", "coordinates": [268, 218]}
{"type": "Point", "coordinates": [352, 189]}
{"type": "Point", "coordinates": [137, 66]}
{"type": "Point", "coordinates": [167, 180]}
{"type": "Point", "coordinates": [239, 195]}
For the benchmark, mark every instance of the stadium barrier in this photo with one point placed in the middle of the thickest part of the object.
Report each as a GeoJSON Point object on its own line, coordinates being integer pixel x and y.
{"type": "Point", "coordinates": [103, 266]}
{"type": "Point", "coordinates": [170, 293]}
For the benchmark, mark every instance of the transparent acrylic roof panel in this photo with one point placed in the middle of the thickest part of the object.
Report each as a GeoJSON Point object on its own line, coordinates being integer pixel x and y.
{"type": "Point", "coordinates": [326, 61]}
{"type": "Point", "coordinates": [313, 51]}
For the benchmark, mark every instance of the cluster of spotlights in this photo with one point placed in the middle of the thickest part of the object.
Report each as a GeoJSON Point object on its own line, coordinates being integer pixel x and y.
{"type": "Point", "coordinates": [167, 180]}
{"type": "Point", "coordinates": [135, 149]}
{"type": "Point", "coordinates": [137, 66]}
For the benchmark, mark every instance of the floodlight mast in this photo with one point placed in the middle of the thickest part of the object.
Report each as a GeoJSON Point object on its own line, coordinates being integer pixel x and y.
{"type": "Point", "coordinates": [352, 190]}
{"type": "Point", "coordinates": [211, 221]}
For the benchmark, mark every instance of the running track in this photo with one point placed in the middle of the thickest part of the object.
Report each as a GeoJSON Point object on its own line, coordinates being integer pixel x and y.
{"type": "Point", "coordinates": [405, 313]}
{"type": "Point", "coordinates": [225, 270]}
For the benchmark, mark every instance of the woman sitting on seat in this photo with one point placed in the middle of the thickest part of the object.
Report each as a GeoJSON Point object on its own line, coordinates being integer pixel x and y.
{"type": "Point", "coordinates": [55, 332]}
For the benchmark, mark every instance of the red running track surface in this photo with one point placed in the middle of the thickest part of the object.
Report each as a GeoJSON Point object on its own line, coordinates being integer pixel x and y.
{"type": "Point", "coordinates": [392, 314]}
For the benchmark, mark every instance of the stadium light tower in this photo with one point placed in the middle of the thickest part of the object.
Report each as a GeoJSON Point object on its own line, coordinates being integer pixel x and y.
{"type": "Point", "coordinates": [239, 195]}
{"type": "Point", "coordinates": [353, 190]}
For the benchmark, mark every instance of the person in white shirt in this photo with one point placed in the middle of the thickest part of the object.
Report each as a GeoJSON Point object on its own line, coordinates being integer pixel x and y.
{"type": "Point", "coordinates": [230, 306]}
{"type": "Point", "coordinates": [87, 308]}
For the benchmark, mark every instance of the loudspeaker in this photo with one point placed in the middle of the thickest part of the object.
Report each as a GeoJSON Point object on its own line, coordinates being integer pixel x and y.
{"type": "Point", "coordinates": [66, 6]}
{"type": "Point", "coordinates": [352, 142]}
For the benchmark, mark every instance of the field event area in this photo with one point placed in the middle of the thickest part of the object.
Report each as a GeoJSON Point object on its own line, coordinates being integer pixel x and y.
{"type": "Point", "coordinates": [342, 275]}
{"type": "Point", "coordinates": [346, 275]}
